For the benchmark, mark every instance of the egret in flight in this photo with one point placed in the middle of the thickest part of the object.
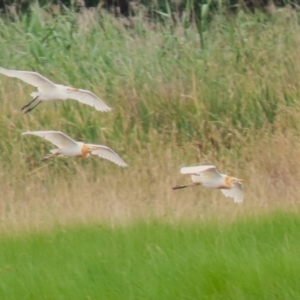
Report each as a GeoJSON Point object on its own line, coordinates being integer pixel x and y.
{"type": "Point", "coordinates": [69, 147]}
{"type": "Point", "coordinates": [47, 91]}
{"type": "Point", "coordinates": [208, 176]}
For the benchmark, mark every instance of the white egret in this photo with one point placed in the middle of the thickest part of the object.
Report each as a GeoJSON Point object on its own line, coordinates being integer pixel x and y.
{"type": "Point", "coordinates": [69, 147]}
{"type": "Point", "coordinates": [48, 91]}
{"type": "Point", "coordinates": [208, 176]}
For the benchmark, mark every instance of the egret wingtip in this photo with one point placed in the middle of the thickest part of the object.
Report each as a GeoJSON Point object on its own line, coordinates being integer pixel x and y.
{"type": "Point", "coordinates": [184, 170]}
{"type": "Point", "coordinates": [106, 109]}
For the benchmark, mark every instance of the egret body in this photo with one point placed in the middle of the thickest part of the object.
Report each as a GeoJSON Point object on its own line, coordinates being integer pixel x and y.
{"type": "Point", "coordinates": [69, 147]}
{"type": "Point", "coordinates": [48, 91]}
{"type": "Point", "coordinates": [208, 176]}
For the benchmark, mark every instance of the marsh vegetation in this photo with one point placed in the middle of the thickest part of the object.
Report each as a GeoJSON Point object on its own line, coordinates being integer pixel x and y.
{"type": "Point", "coordinates": [232, 101]}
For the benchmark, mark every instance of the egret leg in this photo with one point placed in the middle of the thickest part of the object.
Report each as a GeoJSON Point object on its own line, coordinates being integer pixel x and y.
{"type": "Point", "coordinates": [26, 105]}
{"type": "Point", "coordinates": [184, 186]}
{"type": "Point", "coordinates": [31, 108]}
{"type": "Point", "coordinates": [46, 157]}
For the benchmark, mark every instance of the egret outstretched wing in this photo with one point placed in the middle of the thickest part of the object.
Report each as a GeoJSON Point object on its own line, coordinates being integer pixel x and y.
{"type": "Point", "coordinates": [51, 91]}
{"type": "Point", "coordinates": [33, 78]}
{"type": "Point", "coordinates": [198, 169]}
{"type": "Point", "coordinates": [236, 192]}
{"type": "Point", "coordinates": [57, 138]}
{"type": "Point", "coordinates": [88, 98]}
{"type": "Point", "coordinates": [107, 153]}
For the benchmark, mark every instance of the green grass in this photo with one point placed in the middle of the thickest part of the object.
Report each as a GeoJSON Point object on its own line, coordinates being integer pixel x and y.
{"type": "Point", "coordinates": [233, 103]}
{"type": "Point", "coordinates": [257, 258]}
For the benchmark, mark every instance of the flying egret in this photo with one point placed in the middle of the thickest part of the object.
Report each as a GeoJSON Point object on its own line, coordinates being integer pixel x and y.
{"type": "Point", "coordinates": [48, 91]}
{"type": "Point", "coordinates": [208, 176]}
{"type": "Point", "coordinates": [69, 147]}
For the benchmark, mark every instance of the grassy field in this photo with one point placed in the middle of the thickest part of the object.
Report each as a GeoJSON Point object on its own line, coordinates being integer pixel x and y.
{"type": "Point", "coordinates": [87, 229]}
{"type": "Point", "coordinates": [254, 258]}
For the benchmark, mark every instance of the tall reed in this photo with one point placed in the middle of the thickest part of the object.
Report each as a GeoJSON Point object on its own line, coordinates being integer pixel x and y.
{"type": "Point", "coordinates": [233, 103]}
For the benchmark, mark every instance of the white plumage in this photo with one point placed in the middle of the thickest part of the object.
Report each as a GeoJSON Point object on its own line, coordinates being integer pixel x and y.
{"type": "Point", "coordinates": [69, 147]}
{"type": "Point", "coordinates": [48, 91]}
{"type": "Point", "coordinates": [208, 176]}
{"type": "Point", "coordinates": [235, 192]}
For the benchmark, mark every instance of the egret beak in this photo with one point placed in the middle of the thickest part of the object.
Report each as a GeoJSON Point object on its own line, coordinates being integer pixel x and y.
{"type": "Point", "coordinates": [241, 180]}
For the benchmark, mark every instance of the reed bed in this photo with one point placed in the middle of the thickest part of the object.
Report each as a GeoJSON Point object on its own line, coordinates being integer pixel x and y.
{"type": "Point", "coordinates": [233, 103]}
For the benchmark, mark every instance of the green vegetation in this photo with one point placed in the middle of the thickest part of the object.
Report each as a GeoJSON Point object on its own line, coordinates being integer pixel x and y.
{"type": "Point", "coordinates": [158, 80]}
{"type": "Point", "coordinates": [257, 258]}
{"type": "Point", "coordinates": [231, 100]}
